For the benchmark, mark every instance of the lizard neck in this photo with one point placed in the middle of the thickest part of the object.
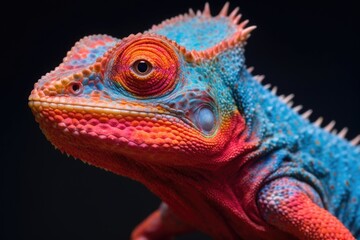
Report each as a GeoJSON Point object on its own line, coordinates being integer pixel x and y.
{"type": "Point", "coordinates": [224, 197]}
{"type": "Point", "coordinates": [197, 196]}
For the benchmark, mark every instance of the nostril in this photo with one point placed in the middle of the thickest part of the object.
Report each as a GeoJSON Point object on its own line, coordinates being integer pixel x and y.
{"type": "Point", "coordinates": [75, 88]}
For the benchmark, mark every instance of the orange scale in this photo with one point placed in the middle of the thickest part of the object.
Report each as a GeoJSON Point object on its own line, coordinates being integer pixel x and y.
{"type": "Point", "coordinates": [75, 121]}
{"type": "Point", "coordinates": [159, 141]}
{"type": "Point", "coordinates": [72, 128]}
{"type": "Point", "coordinates": [83, 121]}
{"type": "Point", "coordinates": [58, 118]}
{"type": "Point", "coordinates": [113, 122]}
{"type": "Point", "coordinates": [103, 119]}
{"type": "Point", "coordinates": [57, 112]}
{"type": "Point", "coordinates": [140, 135]}
{"type": "Point", "coordinates": [45, 113]}
{"type": "Point", "coordinates": [87, 116]}
{"type": "Point", "coordinates": [175, 142]}
{"type": "Point", "coordinates": [129, 118]}
{"type": "Point", "coordinates": [144, 123]}
{"type": "Point", "coordinates": [79, 116]}
{"type": "Point", "coordinates": [68, 121]}
{"type": "Point", "coordinates": [93, 121]}
{"type": "Point", "coordinates": [166, 145]}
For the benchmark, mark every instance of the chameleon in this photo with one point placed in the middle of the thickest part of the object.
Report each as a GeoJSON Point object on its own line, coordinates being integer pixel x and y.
{"type": "Point", "coordinates": [177, 109]}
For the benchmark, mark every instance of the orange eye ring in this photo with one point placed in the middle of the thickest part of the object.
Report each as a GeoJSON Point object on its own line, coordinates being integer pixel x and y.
{"type": "Point", "coordinates": [145, 67]}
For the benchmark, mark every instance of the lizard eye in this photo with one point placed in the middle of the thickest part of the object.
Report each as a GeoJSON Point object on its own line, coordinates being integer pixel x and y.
{"type": "Point", "coordinates": [142, 67]}
{"type": "Point", "coordinates": [145, 67]}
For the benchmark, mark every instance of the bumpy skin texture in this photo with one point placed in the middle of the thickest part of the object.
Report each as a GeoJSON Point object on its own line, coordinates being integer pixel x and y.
{"type": "Point", "coordinates": [176, 109]}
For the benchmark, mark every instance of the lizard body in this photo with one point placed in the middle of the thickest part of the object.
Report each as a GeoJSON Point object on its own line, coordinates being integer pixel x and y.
{"type": "Point", "coordinates": [176, 108]}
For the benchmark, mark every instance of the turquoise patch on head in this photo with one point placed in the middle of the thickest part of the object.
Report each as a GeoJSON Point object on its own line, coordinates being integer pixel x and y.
{"type": "Point", "coordinates": [198, 33]}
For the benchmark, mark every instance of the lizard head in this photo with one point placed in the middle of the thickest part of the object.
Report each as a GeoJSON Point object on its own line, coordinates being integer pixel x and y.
{"type": "Point", "coordinates": [164, 96]}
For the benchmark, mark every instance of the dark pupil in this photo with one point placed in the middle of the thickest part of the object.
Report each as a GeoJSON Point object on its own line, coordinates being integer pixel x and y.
{"type": "Point", "coordinates": [142, 66]}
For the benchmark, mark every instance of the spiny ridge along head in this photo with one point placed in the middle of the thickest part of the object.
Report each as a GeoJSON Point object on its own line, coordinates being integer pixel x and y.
{"type": "Point", "coordinates": [204, 35]}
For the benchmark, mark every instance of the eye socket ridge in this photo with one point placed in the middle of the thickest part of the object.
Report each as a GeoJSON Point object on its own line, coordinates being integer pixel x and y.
{"type": "Point", "coordinates": [142, 67]}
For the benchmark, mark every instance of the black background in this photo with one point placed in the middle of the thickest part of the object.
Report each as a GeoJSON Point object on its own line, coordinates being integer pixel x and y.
{"type": "Point", "coordinates": [307, 48]}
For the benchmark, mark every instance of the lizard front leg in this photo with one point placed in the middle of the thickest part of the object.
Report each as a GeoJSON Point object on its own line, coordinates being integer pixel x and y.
{"type": "Point", "coordinates": [162, 224]}
{"type": "Point", "coordinates": [293, 207]}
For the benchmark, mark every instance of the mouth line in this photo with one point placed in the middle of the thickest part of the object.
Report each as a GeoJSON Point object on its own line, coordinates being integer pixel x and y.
{"type": "Point", "coordinates": [107, 110]}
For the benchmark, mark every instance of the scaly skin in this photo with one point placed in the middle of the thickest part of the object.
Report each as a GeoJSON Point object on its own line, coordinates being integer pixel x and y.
{"type": "Point", "coordinates": [176, 109]}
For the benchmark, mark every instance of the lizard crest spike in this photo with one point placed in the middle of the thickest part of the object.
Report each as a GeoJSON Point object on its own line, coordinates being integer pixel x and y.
{"type": "Point", "coordinates": [259, 78]}
{"type": "Point", "coordinates": [290, 104]}
{"type": "Point", "coordinates": [268, 86]}
{"type": "Point", "coordinates": [191, 12]}
{"type": "Point", "coordinates": [250, 69]}
{"type": "Point", "coordinates": [206, 11]}
{"type": "Point", "coordinates": [274, 90]}
{"type": "Point", "coordinates": [177, 109]}
{"type": "Point", "coordinates": [318, 122]}
{"type": "Point", "coordinates": [307, 114]}
{"type": "Point", "coordinates": [288, 98]}
{"type": "Point", "coordinates": [330, 126]}
{"type": "Point", "coordinates": [343, 132]}
{"type": "Point", "coordinates": [224, 10]}
{"type": "Point", "coordinates": [297, 108]}
{"type": "Point", "coordinates": [234, 12]}
{"type": "Point", "coordinates": [356, 140]}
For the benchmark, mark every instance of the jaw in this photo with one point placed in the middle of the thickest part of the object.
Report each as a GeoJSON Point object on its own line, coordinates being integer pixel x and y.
{"type": "Point", "coordinates": [134, 132]}
{"type": "Point", "coordinates": [138, 131]}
